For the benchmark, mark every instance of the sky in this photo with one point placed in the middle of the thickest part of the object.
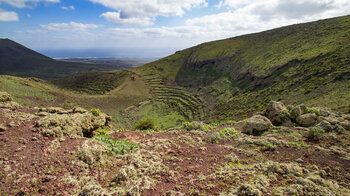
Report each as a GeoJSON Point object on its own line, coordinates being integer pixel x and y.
{"type": "Point", "coordinates": [147, 28]}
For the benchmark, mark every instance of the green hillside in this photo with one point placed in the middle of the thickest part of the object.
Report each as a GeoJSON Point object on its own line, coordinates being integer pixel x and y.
{"type": "Point", "coordinates": [307, 63]}
{"type": "Point", "coordinates": [18, 60]}
{"type": "Point", "coordinates": [220, 81]}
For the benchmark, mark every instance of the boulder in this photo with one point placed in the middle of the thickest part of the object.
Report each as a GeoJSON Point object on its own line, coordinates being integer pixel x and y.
{"type": "Point", "coordinates": [298, 111]}
{"type": "Point", "coordinates": [5, 97]}
{"type": "Point", "coordinates": [256, 125]}
{"type": "Point", "coordinates": [307, 120]}
{"type": "Point", "coordinates": [276, 112]}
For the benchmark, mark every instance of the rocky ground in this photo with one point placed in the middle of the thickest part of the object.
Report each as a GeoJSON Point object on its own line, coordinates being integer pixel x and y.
{"type": "Point", "coordinates": [285, 150]}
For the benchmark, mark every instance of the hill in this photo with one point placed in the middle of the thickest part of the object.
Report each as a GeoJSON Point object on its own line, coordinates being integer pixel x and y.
{"type": "Point", "coordinates": [18, 60]}
{"type": "Point", "coordinates": [220, 81]}
{"type": "Point", "coordinates": [303, 63]}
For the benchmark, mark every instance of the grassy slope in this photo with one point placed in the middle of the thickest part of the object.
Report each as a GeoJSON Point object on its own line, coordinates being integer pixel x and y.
{"type": "Point", "coordinates": [305, 63]}
{"type": "Point", "coordinates": [18, 60]}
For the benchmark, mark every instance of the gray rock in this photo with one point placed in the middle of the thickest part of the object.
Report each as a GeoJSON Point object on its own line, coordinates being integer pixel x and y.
{"type": "Point", "coordinates": [307, 120]}
{"type": "Point", "coordinates": [298, 111]}
{"type": "Point", "coordinates": [274, 111]}
{"type": "Point", "coordinates": [256, 125]}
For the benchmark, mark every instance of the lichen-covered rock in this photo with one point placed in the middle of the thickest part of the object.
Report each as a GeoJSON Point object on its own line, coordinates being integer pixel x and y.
{"type": "Point", "coordinates": [345, 124]}
{"type": "Point", "coordinates": [331, 119]}
{"type": "Point", "coordinates": [325, 125]}
{"type": "Point", "coordinates": [91, 152]}
{"type": "Point", "coordinates": [256, 125]}
{"type": "Point", "coordinates": [72, 124]}
{"type": "Point", "coordinates": [5, 97]}
{"type": "Point", "coordinates": [298, 110]}
{"type": "Point", "coordinates": [79, 110]}
{"type": "Point", "coordinates": [275, 112]}
{"type": "Point", "coordinates": [307, 120]}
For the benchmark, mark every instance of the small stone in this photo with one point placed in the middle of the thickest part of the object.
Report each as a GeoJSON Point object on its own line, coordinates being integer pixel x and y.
{"type": "Point", "coordinates": [299, 160]}
{"type": "Point", "coordinates": [34, 138]}
{"type": "Point", "coordinates": [323, 173]}
{"type": "Point", "coordinates": [7, 168]}
{"type": "Point", "coordinates": [20, 148]}
{"type": "Point", "coordinates": [48, 178]}
{"type": "Point", "coordinates": [2, 128]}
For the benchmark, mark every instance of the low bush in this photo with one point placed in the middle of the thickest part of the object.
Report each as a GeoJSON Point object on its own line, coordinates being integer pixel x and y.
{"type": "Point", "coordinates": [145, 124]}
{"type": "Point", "coordinates": [95, 111]}
{"type": "Point", "coordinates": [195, 126]}
{"type": "Point", "coordinates": [229, 132]}
{"type": "Point", "coordinates": [116, 146]}
{"type": "Point", "coordinates": [315, 133]}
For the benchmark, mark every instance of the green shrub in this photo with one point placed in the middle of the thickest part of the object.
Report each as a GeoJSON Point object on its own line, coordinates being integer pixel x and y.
{"type": "Point", "coordinates": [269, 146]}
{"type": "Point", "coordinates": [145, 124]}
{"type": "Point", "coordinates": [213, 138]}
{"type": "Point", "coordinates": [95, 111]}
{"type": "Point", "coordinates": [102, 131]}
{"type": "Point", "coordinates": [194, 126]}
{"type": "Point", "coordinates": [116, 146]}
{"type": "Point", "coordinates": [229, 132]}
{"type": "Point", "coordinates": [315, 133]}
{"type": "Point", "coordinates": [313, 110]}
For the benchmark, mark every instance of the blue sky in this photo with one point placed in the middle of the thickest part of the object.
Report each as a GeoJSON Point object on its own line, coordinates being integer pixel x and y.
{"type": "Point", "coordinates": [148, 28]}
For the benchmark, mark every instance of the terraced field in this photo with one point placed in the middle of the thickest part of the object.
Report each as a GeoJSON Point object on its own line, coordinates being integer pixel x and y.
{"type": "Point", "coordinates": [188, 105]}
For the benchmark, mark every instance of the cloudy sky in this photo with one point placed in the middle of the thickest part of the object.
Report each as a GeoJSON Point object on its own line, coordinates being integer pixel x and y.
{"type": "Point", "coordinates": [148, 27]}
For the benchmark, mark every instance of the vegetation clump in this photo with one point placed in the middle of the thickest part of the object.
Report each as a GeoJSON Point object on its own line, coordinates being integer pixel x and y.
{"type": "Point", "coordinates": [115, 147]}
{"type": "Point", "coordinates": [195, 126]}
{"type": "Point", "coordinates": [315, 133]}
{"type": "Point", "coordinates": [95, 111]}
{"type": "Point", "coordinates": [146, 124]}
{"type": "Point", "coordinates": [229, 132]}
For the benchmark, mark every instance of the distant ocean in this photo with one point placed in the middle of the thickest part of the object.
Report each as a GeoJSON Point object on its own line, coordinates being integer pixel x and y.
{"type": "Point", "coordinates": [101, 53]}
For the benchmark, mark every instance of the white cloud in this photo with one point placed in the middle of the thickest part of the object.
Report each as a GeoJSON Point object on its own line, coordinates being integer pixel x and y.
{"type": "Point", "coordinates": [248, 16]}
{"type": "Point", "coordinates": [147, 10]}
{"type": "Point", "coordinates": [26, 3]}
{"type": "Point", "coordinates": [8, 16]}
{"type": "Point", "coordinates": [115, 18]}
{"type": "Point", "coordinates": [72, 26]}
{"type": "Point", "coordinates": [68, 8]}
